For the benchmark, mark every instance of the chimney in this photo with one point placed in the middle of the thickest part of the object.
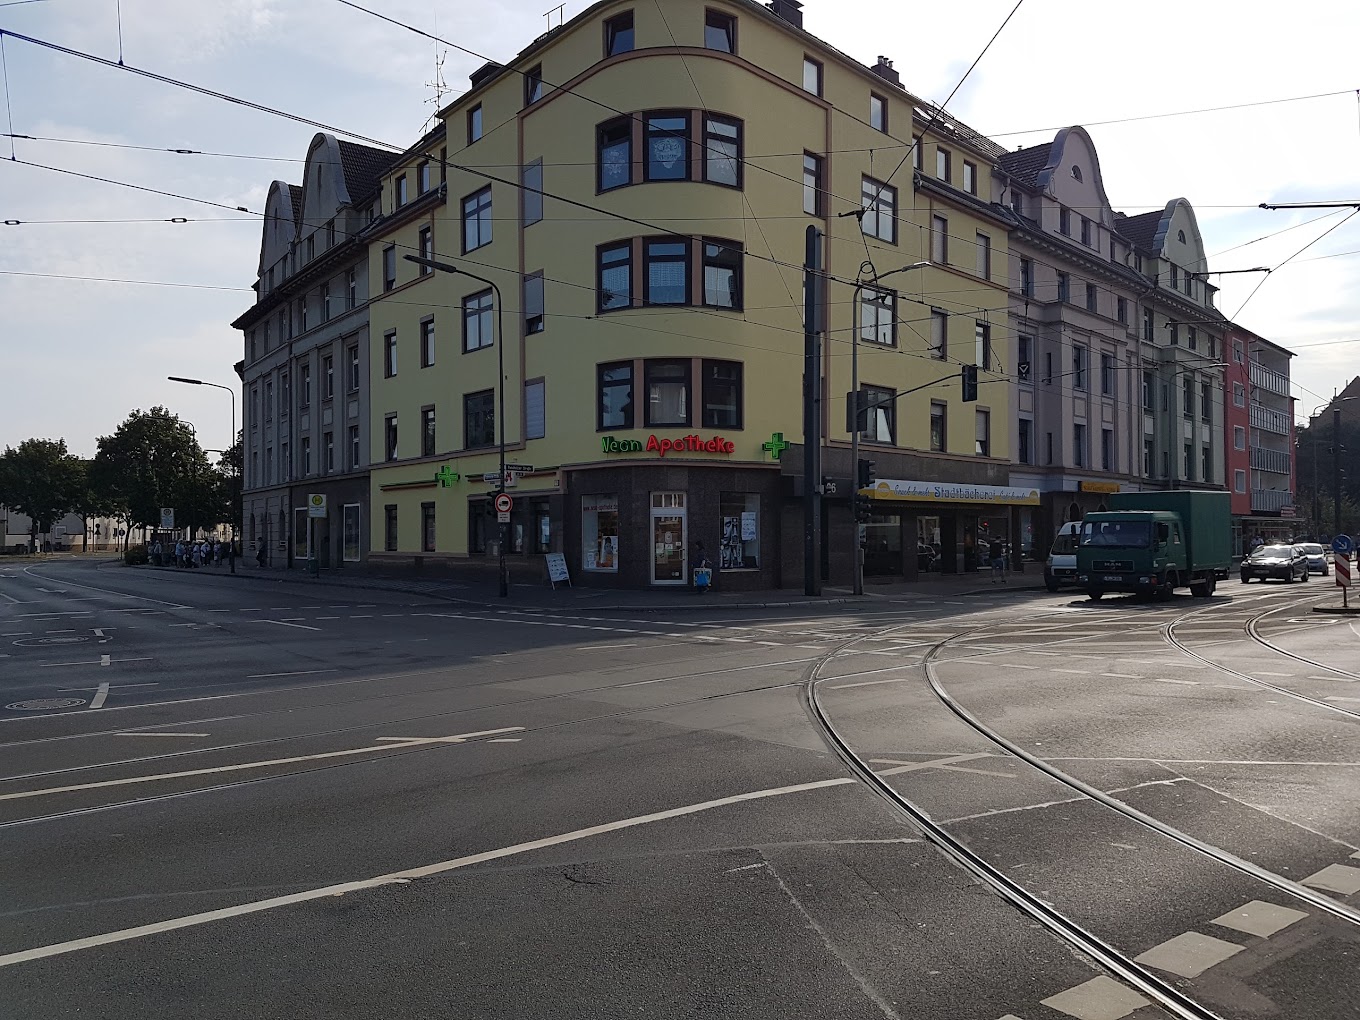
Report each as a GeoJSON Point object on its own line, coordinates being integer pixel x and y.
{"type": "Point", "coordinates": [884, 70]}
{"type": "Point", "coordinates": [789, 10]}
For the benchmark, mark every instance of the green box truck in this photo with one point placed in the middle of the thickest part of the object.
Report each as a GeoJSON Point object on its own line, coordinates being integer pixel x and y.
{"type": "Point", "coordinates": [1151, 543]}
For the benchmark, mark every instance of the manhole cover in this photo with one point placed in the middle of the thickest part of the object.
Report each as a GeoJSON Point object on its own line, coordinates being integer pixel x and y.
{"type": "Point", "coordinates": [31, 642]}
{"type": "Point", "coordinates": [40, 704]}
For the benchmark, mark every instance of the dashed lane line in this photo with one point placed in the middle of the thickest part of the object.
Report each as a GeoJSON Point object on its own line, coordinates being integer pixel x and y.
{"type": "Point", "coordinates": [280, 623]}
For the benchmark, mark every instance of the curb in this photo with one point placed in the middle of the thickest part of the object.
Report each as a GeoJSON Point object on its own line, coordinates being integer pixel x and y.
{"type": "Point", "coordinates": [1338, 610]}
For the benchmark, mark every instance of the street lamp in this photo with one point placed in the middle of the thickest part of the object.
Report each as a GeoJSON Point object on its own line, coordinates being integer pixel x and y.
{"type": "Point", "coordinates": [232, 393]}
{"type": "Point", "coordinates": [858, 559]}
{"type": "Point", "coordinates": [445, 267]}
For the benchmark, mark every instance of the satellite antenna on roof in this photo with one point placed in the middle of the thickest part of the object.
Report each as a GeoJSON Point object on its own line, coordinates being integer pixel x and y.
{"type": "Point", "coordinates": [560, 11]}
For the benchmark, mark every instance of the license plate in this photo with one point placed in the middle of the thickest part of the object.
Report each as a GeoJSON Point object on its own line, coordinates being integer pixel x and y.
{"type": "Point", "coordinates": [1112, 577]}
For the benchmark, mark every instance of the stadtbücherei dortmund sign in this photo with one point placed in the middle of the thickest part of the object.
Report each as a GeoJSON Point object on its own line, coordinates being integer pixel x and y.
{"type": "Point", "coordinates": [662, 446]}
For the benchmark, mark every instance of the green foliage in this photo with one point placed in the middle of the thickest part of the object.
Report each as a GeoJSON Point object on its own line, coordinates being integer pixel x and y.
{"type": "Point", "coordinates": [135, 556]}
{"type": "Point", "coordinates": [42, 480]}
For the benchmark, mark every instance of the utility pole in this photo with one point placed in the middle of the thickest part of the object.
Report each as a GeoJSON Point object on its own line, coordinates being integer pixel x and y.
{"type": "Point", "coordinates": [812, 415]}
{"type": "Point", "coordinates": [1336, 469]}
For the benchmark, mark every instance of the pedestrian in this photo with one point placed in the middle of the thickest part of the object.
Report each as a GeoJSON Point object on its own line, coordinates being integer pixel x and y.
{"type": "Point", "coordinates": [179, 553]}
{"type": "Point", "coordinates": [217, 553]}
{"type": "Point", "coordinates": [998, 556]}
{"type": "Point", "coordinates": [259, 556]}
{"type": "Point", "coordinates": [703, 570]}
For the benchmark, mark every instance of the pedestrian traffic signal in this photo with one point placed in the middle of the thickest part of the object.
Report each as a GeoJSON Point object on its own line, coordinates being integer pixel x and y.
{"type": "Point", "coordinates": [866, 475]}
{"type": "Point", "coordinates": [969, 376]}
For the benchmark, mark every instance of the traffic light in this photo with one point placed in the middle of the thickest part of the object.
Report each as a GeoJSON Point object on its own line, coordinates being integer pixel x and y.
{"type": "Point", "coordinates": [856, 411]}
{"type": "Point", "coordinates": [969, 376]}
{"type": "Point", "coordinates": [866, 475]}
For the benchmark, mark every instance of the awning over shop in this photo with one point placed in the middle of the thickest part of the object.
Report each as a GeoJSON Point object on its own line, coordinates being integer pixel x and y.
{"type": "Point", "coordinates": [907, 490]}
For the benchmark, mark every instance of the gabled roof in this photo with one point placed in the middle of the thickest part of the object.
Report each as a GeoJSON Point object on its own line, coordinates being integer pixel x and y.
{"type": "Point", "coordinates": [363, 166]}
{"type": "Point", "coordinates": [1024, 165]}
{"type": "Point", "coordinates": [295, 196]}
{"type": "Point", "coordinates": [1140, 229]}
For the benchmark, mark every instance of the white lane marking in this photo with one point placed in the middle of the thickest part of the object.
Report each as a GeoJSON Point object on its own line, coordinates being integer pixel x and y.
{"type": "Point", "coordinates": [65, 689]}
{"type": "Point", "coordinates": [944, 764]}
{"type": "Point", "coordinates": [1340, 699]}
{"type": "Point", "coordinates": [872, 683]}
{"type": "Point", "coordinates": [745, 867]}
{"type": "Point", "coordinates": [144, 733]}
{"type": "Point", "coordinates": [1262, 672]}
{"type": "Point", "coordinates": [99, 632]}
{"type": "Point", "coordinates": [597, 648]}
{"type": "Point", "coordinates": [1078, 672]}
{"type": "Point", "coordinates": [359, 616]}
{"type": "Point", "coordinates": [299, 672]}
{"type": "Point", "coordinates": [1337, 878]}
{"type": "Point", "coordinates": [1166, 680]}
{"type": "Point", "coordinates": [1342, 679]}
{"type": "Point", "coordinates": [1356, 855]}
{"type": "Point", "coordinates": [714, 672]}
{"type": "Point", "coordinates": [104, 660]}
{"type": "Point", "coordinates": [133, 780]}
{"type": "Point", "coordinates": [25, 616]}
{"type": "Point", "coordinates": [328, 617]}
{"type": "Point", "coordinates": [92, 662]}
{"type": "Point", "coordinates": [401, 877]}
{"type": "Point", "coordinates": [1189, 955]}
{"type": "Point", "coordinates": [1259, 918]}
{"type": "Point", "coordinates": [15, 633]}
{"type": "Point", "coordinates": [281, 623]}
{"type": "Point", "coordinates": [457, 738]}
{"type": "Point", "coordinates": [1101, 998]}
{"type": "Point", "coordinates": [504, 740]}
{"type": "Point", "coordinates": [101, 695]}
{"type": "Point", "coordinates": [10, 597]}
{"type": "Point", "coordinates": [110, 591]}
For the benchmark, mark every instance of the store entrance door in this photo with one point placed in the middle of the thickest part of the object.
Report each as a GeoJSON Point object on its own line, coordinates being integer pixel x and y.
{"type": "Point", "coordinates": [669, 538]}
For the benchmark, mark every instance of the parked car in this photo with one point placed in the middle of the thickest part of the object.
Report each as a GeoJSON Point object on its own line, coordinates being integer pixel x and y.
{"type": "Point", "coordinates": [1317, 558]}
{"type": "Point", "coordinates": [1287, 562]}
{"type": "Point", "coordinates": [1061, 566]}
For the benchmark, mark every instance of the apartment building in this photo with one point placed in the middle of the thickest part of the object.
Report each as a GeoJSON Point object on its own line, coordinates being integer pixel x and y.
{"type": "Point", "coordinates": [306, 363]}
{"type": "Point", "coordinates": [1258, 430]}
{"type": "Point", "coordinates": [624, 205]}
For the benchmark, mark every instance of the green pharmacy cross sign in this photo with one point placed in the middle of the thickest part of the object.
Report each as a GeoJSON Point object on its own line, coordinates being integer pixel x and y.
{"type": "Point", "coordinates": [776, 446]}
{"type": "Point", "coordinates": [445, 477]}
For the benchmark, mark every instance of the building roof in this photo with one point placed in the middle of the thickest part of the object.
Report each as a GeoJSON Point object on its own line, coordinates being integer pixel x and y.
{"type": "Point", "coordinates": [295, 196]}
{"type": "Point", "coordinates": [363, 166]}
{"type": "Point", "coordinates": [1024, 165]}
{"type": "Point", "coordinates": [1140, 229]}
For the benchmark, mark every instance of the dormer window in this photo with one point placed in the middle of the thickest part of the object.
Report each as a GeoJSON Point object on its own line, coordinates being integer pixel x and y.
{"type": "Point", "coordinates": [1076, 172]}
{"type": "Point", "coordinates": [1180, 236]}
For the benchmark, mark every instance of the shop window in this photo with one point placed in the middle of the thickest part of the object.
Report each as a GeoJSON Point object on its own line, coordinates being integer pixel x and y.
{"type": "Point", "coordinates": [879, 202]}
{"type": "Point", "coordinates": [600, 533]}
{"type": "Point", "coordinates": [740, 531]}
{"type": "Point", "coordinates": [616, 395]}
{"type": "Point", "coordinates": [880, 414]}
{"type": "Point", "coordinates": [482, 526]}
{"type": "Point", "coordinates": [667, 272]}
{"type": "Point", "coordinates": [427, 527]}
{"type": "Point", "coordinates": [351, 549]}
{"type": "Point", "coordinates": [722, 274]}
{"type": "Point", "coordinates": [667, 393]}
{"type": "Point", "coordinates": [618, 34]}
{"type": "Point", "coordinates": [542, 521]}
{"type": "Point", "coordinates": [614, 150]}
{"type": "Point", "coordinates": [667, 136]}
{"type": "Point", "coordinates": [614, 276]}
{"type": "Point", "coordinates": [722, 151]}
{"type": "Point", "coordinates": [722, 394]}
{"type": "Point", "coordinates": [479, 419]}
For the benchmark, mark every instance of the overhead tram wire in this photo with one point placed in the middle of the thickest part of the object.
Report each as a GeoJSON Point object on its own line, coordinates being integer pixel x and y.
{"type": "Point", "coordinates": [105, 279]}
{"type": "Point", "coordinates": [1310, 244]}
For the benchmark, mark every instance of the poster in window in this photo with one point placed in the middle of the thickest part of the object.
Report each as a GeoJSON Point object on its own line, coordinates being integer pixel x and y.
{"type": "Point", "coordinates": [748, 526]}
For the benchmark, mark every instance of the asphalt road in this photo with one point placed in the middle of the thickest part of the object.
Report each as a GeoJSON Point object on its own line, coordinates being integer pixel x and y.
{"type": "Point", "coordinates": [233, 798]}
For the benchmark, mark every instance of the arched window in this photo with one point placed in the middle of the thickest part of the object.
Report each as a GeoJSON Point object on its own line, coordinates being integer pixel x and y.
{"type": "Point", "coordinates": [1180, 236]}
{"type": "Point", "coordinates": [1076, 172]}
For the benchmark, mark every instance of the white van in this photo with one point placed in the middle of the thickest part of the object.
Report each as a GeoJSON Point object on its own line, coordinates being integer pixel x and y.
{"type": "Point", "coordinates": [1061, 567]}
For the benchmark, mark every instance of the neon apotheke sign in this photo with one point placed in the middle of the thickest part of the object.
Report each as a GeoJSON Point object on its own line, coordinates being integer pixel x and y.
{"type": "Point", "coordinates": [661, 446]}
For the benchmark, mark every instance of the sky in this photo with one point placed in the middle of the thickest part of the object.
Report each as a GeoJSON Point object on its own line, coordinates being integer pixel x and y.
{"type": "Point", "coordinates": [77, 355]}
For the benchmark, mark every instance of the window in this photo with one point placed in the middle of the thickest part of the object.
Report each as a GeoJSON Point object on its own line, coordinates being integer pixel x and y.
{"type": "Point", "coordinates": [1239, 480]}
{"type": "Point", "coordinates": [305, 389]}
{"type": "Point", "coordinates": [983, 443]}
{"type": "Point", "coordinates": [1239, 395]}
{"type": "Point", "coordinates": [722, 151]}
{"type": "Point", "coordinates": [1091, 297]}
{"type": "Point", "coordinates": [351, 289]}
{"type": "Point", "coordinates": [1106, 449]}
{"type": "Point", "coordinates": [533, 303]}
{"type": "Point", "coordinates": [1017, 200]}
{"type": "Point", "coordinates": [618, 34]}
{"type": "Point", "coordinates": [880, 414]}
{"type": "Point", "coordinates": [939, 334]}
{"type": "Point", "coordinates": [1064, 288]}
{"type": "Point", "coordinates": [600, 533]}
{"type": "Point", "coordinates": [1206, 464]}
{"type": "Point", "coordinates": [1213, 347]}
{"type": "Point", "coordinates": [1079, 445]}
{"type": "Point", "coordinates": [285, 395]}
{"type": "Point", "coordinates": [302, 314]}
{"type": "Point", "coordinates": [427, 432]}
{"type": "Point", "coordinates": [311, 240]}
{"type": "Point", "coordinates": [1079, 358]}
{"type": "Point", "coordinates": [616, 395]}
{"type": "Point", "coordinates": [984, 256]}
{"type": "Point", "coordinates": [939, 434]}
{"type": "Point", "coordinates": [389, 355]}
{"type": "Point", "coordinates": [970, 177]}
{"type": "Point", "coordinates": [614, 150]}
{"type": "Point", "coordinates": [720, 32]}
{"type": "Point", "coordinates": [812, 184]}
{"type": "Point", "coordinates": [535, 410]}
{"type": "Point", "coordinates": [1107, 374]}
{"type": "Point", "coordinates": [667, 140]}
{"type": "Point", "coordinates": [1065, 221]}
{"type": "Point", "coordinates": [306, 465]}
{"type": "Point", "coordinates": [1121, 310]}
{"type": "Point", "coordinates": [1188, 462]}
{"type": "Point", "coordinates": [1024, 448]}
{"type": "Point", "coordinates": [879, 202]}
{"type": "Point", "coordinates": [1086, 232]}
{"type": "Point", "coordinates": [390, 527]}
{"type": "Point", "coordinates": [721, 394]}
{"type": "Point", "coordinates": [269, 400]}
{"type": "Point", "coordinates": [982, 344]}
{"type": "Point", "coordinates": [1076, 172]}
{"type": "Point", "coordinates": [479, 419]}
{"type": "Point", "coordinates": [390, 436]}
{"type": "Point", "coordinates": [352, 542]}
{"type": "Point", "coordinates": [1149, 455]}
{"type": "Point", "coordinates": [878, 112]}
{"type": "Point", "coordinates": [939, 240]}
{"type": "Point", "coordinates": [1192, 338]}
{"type": "Point", "coordinates": [722, 274]}
{"type": "Point", "coordinates": [427, 527]}
{"type": "Point", "coordinates": [667, 392]}
{"type": "Point", "coordinates": [477, 220]}
{"type": "Point", "coordinates": [324, 298]}
{"type": "Point", "coordinates": [426, 248]}
{"type": "Point", "coordinates": [812, 76]}
{"type": "Point", "coordinates": [1024, 352]}
{"type": "Point", "coordinates": [354, 457]}
{"type": "Point", "coordinates": [423, 177]}
{"type": "Point", "coordinates": [740, 530]}
{"type": "Point", "coordinates": [477, 328]}
{"type": "Point", "coordinates": [1188, 397]}
{"type": "Point", "coordinates": [389, 267]}
{"type": "Point", "coordinates": [667, 272]}
{"type": "Point", "coordinates": [1027, 278]}
{"type": "Point", "coordinates": [427, 343]}
{"type": "Point", "coordinates": [878, 316]}
{"type": "Point", "coordinates": [1237, 348]}
{"type": "Point", "coordinates": [917, 144]}
{"type": "Point", "coordinates": [1239, 438]}
{"type": "Point", "coordinates": [533, 85]}
{"type": "Point", "coordinates": [328, 452]}
{"type": "Point", "coordinates": [1149, 326]}
{"type": "Point", "coordinates": [531, 195]}
{"type": "Point", "coordinates": [943, 161]}
{"type": "Point", "coordinates": [400, 191]}
{"type": "Point", "coordinates": [327, 377]}
{"type": "Point", "coordinates": [1206, 402]}
{"type": "Point", "coordinates": [614, 276]}
{"type": "Point", "coordinates": [1175, 278]}
{"type": "Point", "coordinates": [474, 124]}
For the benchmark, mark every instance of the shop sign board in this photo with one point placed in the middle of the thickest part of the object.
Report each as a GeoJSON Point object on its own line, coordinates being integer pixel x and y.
{"type": "Point", "coordinates": [948, 492]}
{"type": "Point", "coordinates": [557, 568]}
{"type": "Point", "coordinates": [662, 445]}
{"type": "Point", "coordinates": [1097, 486]}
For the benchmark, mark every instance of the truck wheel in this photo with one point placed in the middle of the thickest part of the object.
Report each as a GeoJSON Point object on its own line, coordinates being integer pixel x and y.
{"type": "Point", "coordinates": [1049, 582]}
{"type": "Point", "coordinates": [1168, 590]}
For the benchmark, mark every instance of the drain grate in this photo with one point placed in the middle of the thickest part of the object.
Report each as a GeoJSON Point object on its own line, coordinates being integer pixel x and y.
{"type": "Point", "coordinates": [39, 704]}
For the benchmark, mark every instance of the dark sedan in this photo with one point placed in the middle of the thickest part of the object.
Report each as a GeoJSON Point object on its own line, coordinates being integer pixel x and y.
{"type": "Point", "coordinates": [1287, 562]}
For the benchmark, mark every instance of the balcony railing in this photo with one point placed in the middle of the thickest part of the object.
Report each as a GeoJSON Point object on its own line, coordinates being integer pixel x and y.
{"type": "Point", "coordinates": [1270, 499]}
{"type": "Point", "coordinates": [1271, 460]}
{"type": "Point", "coordinates": [1272, 421]}
{"type": "Point", "coordinates": [1269, 379]}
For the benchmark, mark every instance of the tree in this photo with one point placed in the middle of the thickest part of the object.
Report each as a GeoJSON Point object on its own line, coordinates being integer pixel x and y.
{"type": "Point", "coordinates": [153, 460]}
{"type": "Point", "coordinates": [1313, 478]}
{"type": "Point", "coordinates": [41, 480]}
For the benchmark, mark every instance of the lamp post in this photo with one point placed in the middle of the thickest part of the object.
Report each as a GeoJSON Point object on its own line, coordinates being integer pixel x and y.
{"type": "Point", "coordinates": [1336, 463]}
{"type": "Point", "coordinates": [872, 281]}
{"type": "Point", "coordinates": [445, 267]}
{"type": "Point", "coordinates": [231, 393]}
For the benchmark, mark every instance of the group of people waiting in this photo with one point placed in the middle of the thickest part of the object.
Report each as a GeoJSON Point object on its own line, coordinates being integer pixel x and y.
{"type": "Point", "coordinates": [202, 553]}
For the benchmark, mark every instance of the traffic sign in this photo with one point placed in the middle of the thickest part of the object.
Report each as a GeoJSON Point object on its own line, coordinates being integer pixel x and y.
{"type": "Point", "coordinates": [504, 503]}
{"type": "Point", "coordinates": [524, 469]}
{"type": "Point", "coordinates": [1342, 544]}
{"type": "Point", "coordinates": [316, 504]}
{"type": "Point", "coordinates": [168, 518]}
{"type": "Point", "coordinates": [1342, 566]}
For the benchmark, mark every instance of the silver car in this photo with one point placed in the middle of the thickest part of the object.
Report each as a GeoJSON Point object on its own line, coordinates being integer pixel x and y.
{"type": "Point", "coordinates": [1317, 558]}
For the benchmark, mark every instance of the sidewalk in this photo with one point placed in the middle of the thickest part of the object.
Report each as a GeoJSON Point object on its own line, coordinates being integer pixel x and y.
{"type": "Point", "coordinates": [485, 593]}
